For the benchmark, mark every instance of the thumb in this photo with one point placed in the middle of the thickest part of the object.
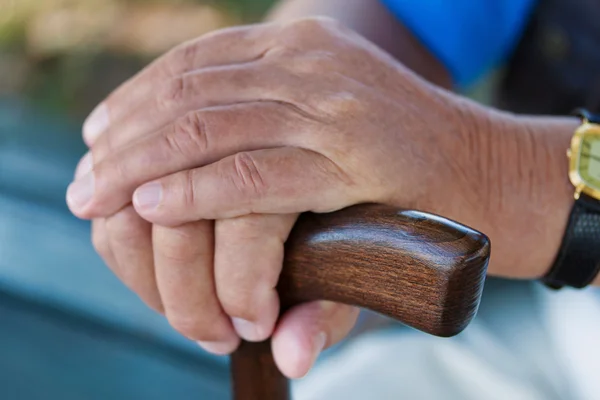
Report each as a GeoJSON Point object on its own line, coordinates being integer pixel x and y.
{"type": "Point", "coordinates": [305, 330]}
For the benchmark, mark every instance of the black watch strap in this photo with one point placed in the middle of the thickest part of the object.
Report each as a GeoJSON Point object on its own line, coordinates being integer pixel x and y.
{"type": "Point", "coordinates": [578, 261]}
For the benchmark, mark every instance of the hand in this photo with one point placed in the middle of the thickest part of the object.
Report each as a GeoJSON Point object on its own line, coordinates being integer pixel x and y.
{"type": "Point", "coordinates": [263, 104]}
{"type": "Point", "coordinates": [249, 127]}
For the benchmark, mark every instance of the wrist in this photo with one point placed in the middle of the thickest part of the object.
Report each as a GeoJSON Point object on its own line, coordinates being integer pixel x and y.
{"type": "Point", "coordinates": [533, 196]}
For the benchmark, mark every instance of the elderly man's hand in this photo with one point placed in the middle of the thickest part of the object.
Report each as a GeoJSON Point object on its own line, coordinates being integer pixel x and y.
{"type": "Point", "coordinates": [249, 127]}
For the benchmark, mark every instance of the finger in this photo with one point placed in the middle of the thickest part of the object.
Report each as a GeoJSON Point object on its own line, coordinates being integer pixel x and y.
{"type": "Point", "coordinates": [282, 181]}
{"type": "Point", "coordinates": [101, 244]}
{"type": "Point", "coordinates": [200, 138]}
{"type": "Point", "coordinates": [306, 330]}
{"type": "Point", "coordinates": [248, 260]}
{"type": "Point", "coordinates": [184, 269]}
{"type": "Point", "coordinates": [130, 239]}
{"type": "Point", "coordinates": [224, 47]}
{"type": "Point", "coordinates": [85, 166]}
{"type": "Point", "coordinates": [208, 87]}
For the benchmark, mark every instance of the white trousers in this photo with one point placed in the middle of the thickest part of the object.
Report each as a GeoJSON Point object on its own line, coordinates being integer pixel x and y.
{"type": "Point", "coordinates": [527, 343]}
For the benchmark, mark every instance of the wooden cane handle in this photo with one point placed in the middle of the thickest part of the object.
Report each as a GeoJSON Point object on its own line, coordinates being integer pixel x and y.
{"type": "Point", "coordinates": [420, 269]}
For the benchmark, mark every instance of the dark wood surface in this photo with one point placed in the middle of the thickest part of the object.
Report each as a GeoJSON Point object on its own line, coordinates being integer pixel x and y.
{"type": "Point", "coordinates": [255, 375]}
{"type": "Point", "coordinates": [420, 269]}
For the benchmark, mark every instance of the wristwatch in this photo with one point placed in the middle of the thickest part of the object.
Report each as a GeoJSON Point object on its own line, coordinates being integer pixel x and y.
{"type": "Point", "coordinates": [578, 261]}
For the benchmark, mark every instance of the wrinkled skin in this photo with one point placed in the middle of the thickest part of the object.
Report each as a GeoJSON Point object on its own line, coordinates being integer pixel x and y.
{"type": "Point", "coordinates": [200, 165]}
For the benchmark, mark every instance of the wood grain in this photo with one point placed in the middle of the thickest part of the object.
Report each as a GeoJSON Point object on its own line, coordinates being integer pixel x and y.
{"type": "Point", "coordinates": [423, 270]}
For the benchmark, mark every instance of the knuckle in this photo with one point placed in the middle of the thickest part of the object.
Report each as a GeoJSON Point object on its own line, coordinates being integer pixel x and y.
{"type": "Point", "coordinates": [342, 103]}
{"type": "Point", "coordinates": [238, 303]}
{"type": "Point", "coordinates": [189, 189]}
{"type": "Point", "coordinates": [189, 136]}
{"type": "Point", "coordinates": [307, 32]}
{"type": "Point", "coordinates": [182, 58]}
{"type": "Point", "coordinates": [314, 62]}
{"type": "Point", "coordinates": [281, 55]}
{"type": "Point", "coordinates": [172, 95]}
{"type": "Point", "coordinates": [247, 176]}
{"type": "Point", "coordinates": [314, 25]}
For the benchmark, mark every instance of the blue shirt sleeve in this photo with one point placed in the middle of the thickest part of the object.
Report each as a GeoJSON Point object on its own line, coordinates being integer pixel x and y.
{"type": "Point", "coordinates": [470, 37]}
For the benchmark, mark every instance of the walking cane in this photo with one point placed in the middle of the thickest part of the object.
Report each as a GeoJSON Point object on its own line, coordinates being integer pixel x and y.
{"type": "Point", "coordinates": [420, 269]}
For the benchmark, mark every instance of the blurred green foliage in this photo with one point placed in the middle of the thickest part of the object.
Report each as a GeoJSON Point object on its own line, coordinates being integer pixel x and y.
{"type": "Point", "coordinates": [248, 10]}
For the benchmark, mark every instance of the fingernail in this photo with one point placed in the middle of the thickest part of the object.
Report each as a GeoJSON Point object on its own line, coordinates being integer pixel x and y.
{"type": "Point", "coordinates": [218, 348]}
{"type": "Point", "coordinates": [148, 196]}
{"type": "Point", "coordinates": [81, 192]}
{"type": "Point", "coordinates": [96, 123]}
{"type": "Point", "coordinates": [249, 331]}
{"type": "Point", "coordinates": [85, 166]}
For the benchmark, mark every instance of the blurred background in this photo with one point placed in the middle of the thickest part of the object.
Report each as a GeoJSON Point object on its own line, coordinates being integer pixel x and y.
{"type": "Point", "coordinates": [64, 55]}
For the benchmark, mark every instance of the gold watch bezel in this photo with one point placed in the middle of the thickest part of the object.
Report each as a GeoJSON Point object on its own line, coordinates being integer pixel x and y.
{"type": "Point", "coordinates": [574, 154]}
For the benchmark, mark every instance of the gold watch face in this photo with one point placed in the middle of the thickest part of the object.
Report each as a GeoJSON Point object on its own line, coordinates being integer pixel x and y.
{"type": "Point", "coordinates": [585, 160]}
